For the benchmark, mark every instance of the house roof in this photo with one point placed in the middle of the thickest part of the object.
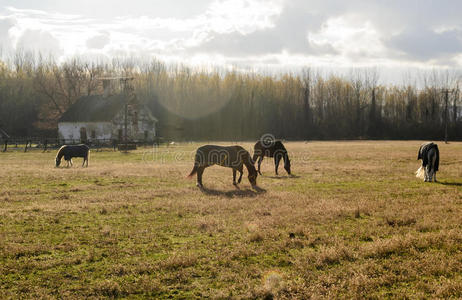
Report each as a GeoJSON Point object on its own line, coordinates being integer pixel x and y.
{"type": "Point", "coordinates": [3, 133]}
{"type": "Point", "coordinates": [95, 108]}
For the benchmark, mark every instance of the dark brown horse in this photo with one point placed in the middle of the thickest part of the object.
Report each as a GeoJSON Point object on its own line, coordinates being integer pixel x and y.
{"type": "Point", "coordinates": [234, 157]}
{"type": "Point", "coordinates": [271, 149]}
{"type": "Point", "coordinates": [70, 151]}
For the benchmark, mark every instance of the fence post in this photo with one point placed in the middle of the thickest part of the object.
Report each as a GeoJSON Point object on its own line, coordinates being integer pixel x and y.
{"type": "Point", "coordinates": [6, 146]}
{"type": "Point", "coordinates": [45, 145]}
{"type": "Point", "coordinates": [25, 147]}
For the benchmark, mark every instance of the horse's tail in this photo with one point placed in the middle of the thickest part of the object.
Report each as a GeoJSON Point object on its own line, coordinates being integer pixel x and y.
{"type": "Point", "coordinates": [420, 173]}
{"type": "Point", "coordinates": [194, 171]}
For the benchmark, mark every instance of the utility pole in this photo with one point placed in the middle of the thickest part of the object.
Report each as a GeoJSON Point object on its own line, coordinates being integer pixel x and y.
{"type": "Point", "coordinates": [446, 113]}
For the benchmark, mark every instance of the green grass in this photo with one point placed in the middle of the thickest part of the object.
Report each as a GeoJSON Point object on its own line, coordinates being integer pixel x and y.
{"type": "Point", "coordinates": [353, 223]}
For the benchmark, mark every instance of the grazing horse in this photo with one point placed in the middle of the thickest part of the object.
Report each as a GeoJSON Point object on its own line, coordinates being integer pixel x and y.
{"type": "Point", "coordinates": [234, 157]}
{"type": "Point", "coordinates": [430, 156]}
{"type": "Point", "coordinates": [70, 151]}
{"type": "Point", "coordinates": [271, 149]}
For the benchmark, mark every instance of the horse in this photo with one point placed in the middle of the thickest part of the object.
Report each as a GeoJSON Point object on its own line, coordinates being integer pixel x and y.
{"type": "Point", "coordinates": [234, 157]}
{"type": "Point", "coordinates": [271, 149]}
{"type": "Point", "coordinates": [70, 151]}
{"type": "Point", "coordinates": [430, 156]}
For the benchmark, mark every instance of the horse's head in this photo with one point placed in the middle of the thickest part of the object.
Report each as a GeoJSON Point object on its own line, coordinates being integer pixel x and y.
{"type": "Point", "coordinates": [253, 178]}
{"type": "Point", "coordinates": [58, 161]}
{"type": "Point", "coordinates": [287, 165]}
{"type": "Point", "coordinates": [59, 155]}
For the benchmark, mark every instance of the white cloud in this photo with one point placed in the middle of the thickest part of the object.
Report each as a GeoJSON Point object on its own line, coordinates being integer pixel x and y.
{"type": "Point", "coordinates": [352, 39]}
{"type": "Point", "coordinates": [39, 41]}
{"type": "Point", "coordinates": [98, 41]}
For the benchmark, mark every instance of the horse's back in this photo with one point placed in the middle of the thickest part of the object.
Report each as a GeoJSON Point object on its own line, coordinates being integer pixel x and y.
{"type": "Point", "coordinates": [222, 155]}
{"type": "Point", "coordinates": [269, 150]}
{"type": "Point", "coordinates": [80, 150]}
{"type": "Point", "coordinates": [427, 152]}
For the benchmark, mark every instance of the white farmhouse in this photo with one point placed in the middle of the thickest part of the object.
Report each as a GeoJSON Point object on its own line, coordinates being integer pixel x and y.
{"type": "Point", "coordinates": [99, 118]}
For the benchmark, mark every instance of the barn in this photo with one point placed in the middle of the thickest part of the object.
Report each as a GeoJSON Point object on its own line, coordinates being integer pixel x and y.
{"type": "Point", "coordinates": [106, 118]}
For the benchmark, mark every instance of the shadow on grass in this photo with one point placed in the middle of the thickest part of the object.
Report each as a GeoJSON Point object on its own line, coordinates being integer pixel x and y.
{"type": "Point", "coordinates": [284, 177]}
{"type": "Point", "coordinates": [450, 183]}
{"type": "Point", "coordinates": [237, 192]}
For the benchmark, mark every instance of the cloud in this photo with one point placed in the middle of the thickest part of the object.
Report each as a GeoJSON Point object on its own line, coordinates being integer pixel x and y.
{"type": "Point", "coordinates": [6, 23]}
{"type": "Point", "coordinates": [425, 44]}
{"type": "Point", "coordinates": [286, 30]}
{"type": "Point", "coordinates": [39, 41]}
{"type": "Point", "coordinates": [98, 41]}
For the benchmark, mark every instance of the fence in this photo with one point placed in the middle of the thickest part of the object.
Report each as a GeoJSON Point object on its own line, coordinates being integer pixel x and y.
{"type": "Point", "coordinates": [45, 143]}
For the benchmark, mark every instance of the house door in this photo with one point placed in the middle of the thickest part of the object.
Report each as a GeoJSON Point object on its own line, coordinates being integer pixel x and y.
{"type": "Point", "coordinates": [83, 135]}
{"type": "Point", "coordinates": [120, 135]}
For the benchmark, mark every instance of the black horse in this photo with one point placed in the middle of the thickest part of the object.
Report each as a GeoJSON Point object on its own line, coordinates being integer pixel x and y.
{"type": "Point", "coordinates": [430, 156]}
{"type": "Point", "coordinates": [271, 149]}
{"type": "Point", "coordinates": [234, 157]}
{"type": "Point", "coordinates": [70, 151]}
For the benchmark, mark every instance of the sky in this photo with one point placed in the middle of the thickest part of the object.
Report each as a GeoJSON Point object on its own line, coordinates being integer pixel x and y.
{"type": "Point", "coordinates": [396, 37]}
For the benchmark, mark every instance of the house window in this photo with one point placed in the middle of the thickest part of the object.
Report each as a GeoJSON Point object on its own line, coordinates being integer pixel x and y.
{"type": "Point", "coordinates": [93, 134]}
{"type": "Point", "coordinates": [83, 134]}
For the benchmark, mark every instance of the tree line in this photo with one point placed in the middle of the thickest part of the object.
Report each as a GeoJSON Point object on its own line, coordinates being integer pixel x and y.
{"type": "Point", "coordinates": [218, 104]}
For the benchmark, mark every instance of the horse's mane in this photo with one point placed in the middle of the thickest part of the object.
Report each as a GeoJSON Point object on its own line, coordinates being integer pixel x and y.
{"type": "Point", "coordinates": [60, 152]}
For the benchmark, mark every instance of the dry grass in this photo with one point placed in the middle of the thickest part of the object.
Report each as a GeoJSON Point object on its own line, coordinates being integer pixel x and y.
{"type": "Point", "coordinates": [354, 222]}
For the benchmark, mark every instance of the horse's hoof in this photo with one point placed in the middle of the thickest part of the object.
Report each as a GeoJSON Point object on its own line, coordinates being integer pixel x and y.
{"type": "Point", "coordinates": [234, 183]}
{"type": "Point", "coordinates": [199, 185]}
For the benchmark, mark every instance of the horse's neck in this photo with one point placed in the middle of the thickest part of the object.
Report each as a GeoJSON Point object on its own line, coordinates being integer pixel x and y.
{"type": "Point", "coordinates": [250, 167]}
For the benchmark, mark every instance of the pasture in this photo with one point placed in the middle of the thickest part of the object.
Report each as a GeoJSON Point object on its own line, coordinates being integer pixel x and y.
{"type": "Point", "coordinates": [353, 222]}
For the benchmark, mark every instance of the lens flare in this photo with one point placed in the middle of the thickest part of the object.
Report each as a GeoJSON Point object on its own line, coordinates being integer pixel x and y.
{"type": "Point", "coordinates": [272, 281]}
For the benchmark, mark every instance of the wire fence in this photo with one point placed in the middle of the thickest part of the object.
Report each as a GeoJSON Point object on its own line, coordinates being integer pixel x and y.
{"type": "Point", "coordinates": [46, 143]}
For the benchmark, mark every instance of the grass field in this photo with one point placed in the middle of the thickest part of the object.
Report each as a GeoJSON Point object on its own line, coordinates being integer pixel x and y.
{"type": "Point", "coordinates": [353, 222]}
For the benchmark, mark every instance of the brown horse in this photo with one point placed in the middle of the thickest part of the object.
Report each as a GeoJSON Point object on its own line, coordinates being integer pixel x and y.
{"type": "Point", "coordinates": [234, 157]}
{"type": "Point", "coordinates": [271, 149]}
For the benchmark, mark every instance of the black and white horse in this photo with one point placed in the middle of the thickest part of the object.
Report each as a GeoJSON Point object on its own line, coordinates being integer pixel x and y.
{"type": "Point", "coordinates": [234, 157]}
{"type": "Point", "coordinates": [70, 151]}
{"type": "Point", "coordinates": [274, 149]}
{"type": "Point", "coordinates": [430, 156]}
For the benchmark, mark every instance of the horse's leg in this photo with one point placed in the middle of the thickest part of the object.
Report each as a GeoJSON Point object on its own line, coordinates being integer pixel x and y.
{"type": "Point", "coordinates": [71, 162]}
{"type": "Point", "coordinates": [277, 158]}
{"type": "Point", "coordinates": [234, 177]}
{"type": "Point", "coordinates": [200, 171]}
{"type": "Point", "coordinates": [240, 175]}
{"type": "Point", "coordinates": [260, 159]}
{"type": "Point", "coordinates": [83, 163]}
{"type": "Point", "coordinates": [434, 176]}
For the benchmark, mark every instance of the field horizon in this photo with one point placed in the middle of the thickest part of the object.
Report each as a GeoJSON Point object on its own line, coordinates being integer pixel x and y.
{"type": "Point", "coordinates": [353, 222]}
